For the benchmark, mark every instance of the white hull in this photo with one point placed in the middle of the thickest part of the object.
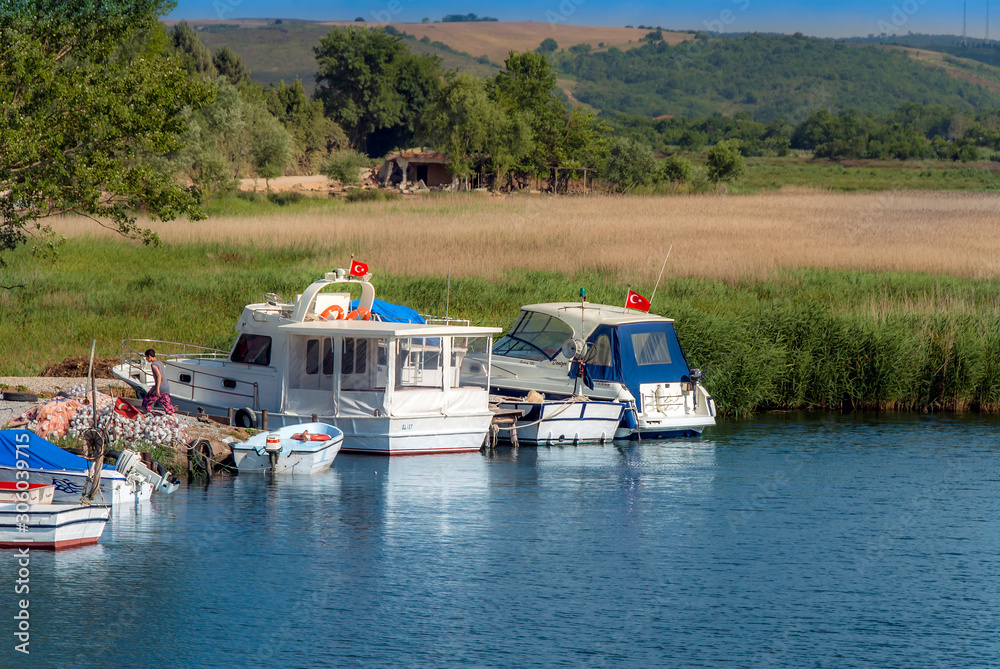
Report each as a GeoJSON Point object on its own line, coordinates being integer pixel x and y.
{"type": "Point", "coordinates": [390, 435]}
{"type": "Point", "coordinates": [69, 485]}
{"type": "Point", "coordinates": [296, 457]}
{"type": "Point", "coordinates": [660, 427]}
{"type": "Point", "coordinates": [54, 526]}
{"type": "Point", "coordinates": [250, 462]}
{"type": "Point", "coordinates": [553, 422]}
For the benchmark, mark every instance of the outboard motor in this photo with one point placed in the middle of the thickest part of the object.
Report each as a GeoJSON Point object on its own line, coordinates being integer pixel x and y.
{"type": "Point", "coordinates": [695, 376]}
{"type": "Point", "coordinates": [130, 465]}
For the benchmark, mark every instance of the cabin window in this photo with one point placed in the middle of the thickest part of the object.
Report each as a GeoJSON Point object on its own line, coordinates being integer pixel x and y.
{"type": "Point", "coordinates": [328, 356]}
{"type": "Point", "coordinates": [601, 352]}
{"type": "Point", "coordinates": [252, 350]}
{"type": "Point", "coordinates": [468, 361]}
{"type": "Point", "coordinates": [535, 336]}
{"type": "Point", "coordinates": [651, 348]}
{"type": "Point", "coordinates": [515, 348]}
{"type": "Point", "coordinates": [307, 370]}
{"type": "Point", "coordinates": [362, 364]}
{"type": "Point", "coordinates": [312, 356]}
{"type": "Point", "coordinates": [419, 363]}
{"type": "Point", "coordinates": [354, 359]}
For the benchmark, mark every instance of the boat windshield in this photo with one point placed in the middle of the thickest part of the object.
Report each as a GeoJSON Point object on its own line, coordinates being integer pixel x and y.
{"type": "Point", "coordinates": [535, 336]}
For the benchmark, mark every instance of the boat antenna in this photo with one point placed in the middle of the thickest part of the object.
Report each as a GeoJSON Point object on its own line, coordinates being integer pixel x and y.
{"type": "Point", "coordinates": [628, 290]}
{"type": "Point", "coordinates": [447, 299]}
{"type": "Point", "coordinates": [661, 274]}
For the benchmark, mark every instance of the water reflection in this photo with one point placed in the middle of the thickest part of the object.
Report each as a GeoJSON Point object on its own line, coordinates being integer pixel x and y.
{"type": "Point", "coordinates": [787, 540]}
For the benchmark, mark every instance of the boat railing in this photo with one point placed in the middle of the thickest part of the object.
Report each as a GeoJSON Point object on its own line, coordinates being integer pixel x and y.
{"type": "Point", "coordinates": [134, 351]}
{"type": "Point", "coordinates": [442, 320]}
{"type": "Point", "coordinates": [133, 357]}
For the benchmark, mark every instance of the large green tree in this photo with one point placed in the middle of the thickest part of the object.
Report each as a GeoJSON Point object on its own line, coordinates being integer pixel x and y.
{"type": "Point", "coordinates": [373, 87]}
{"type": "Point", "coordinates": [559, 137]}
{"type": "Point", "coordinates": [474, 130]}
{"type": "Point", "coordinates": [315, 136]}
{"type": "Point", "coordinates": [77, 110]}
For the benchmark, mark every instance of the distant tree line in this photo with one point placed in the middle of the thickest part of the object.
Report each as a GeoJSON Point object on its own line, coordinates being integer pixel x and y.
{"type": "Point", "coordinates": [465, 18]}
{"type": "Point", "coordinates": [913, 131]}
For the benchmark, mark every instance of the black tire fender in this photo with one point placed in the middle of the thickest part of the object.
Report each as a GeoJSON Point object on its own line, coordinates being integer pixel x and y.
{"type": "Point", "coordinates": [11, 396]}
{"type": "Point", "coordinates": [245, 417]}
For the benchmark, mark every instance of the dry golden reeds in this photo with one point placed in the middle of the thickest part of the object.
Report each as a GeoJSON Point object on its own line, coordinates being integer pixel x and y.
{"type": "Point", "coordinates": [627, 237]}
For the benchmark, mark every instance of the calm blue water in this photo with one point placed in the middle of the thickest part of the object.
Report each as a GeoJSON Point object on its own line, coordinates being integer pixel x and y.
{"type": "Point", "coordinates": [786, 541]}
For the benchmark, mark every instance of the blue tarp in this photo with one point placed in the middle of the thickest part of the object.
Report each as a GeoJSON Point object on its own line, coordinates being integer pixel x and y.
{"type": "Point", "coordinates": [625, 365]}
{"type": "Point", "coordinates": [37, 452]}
{"type": "Point", "coordinates": [392, 313]}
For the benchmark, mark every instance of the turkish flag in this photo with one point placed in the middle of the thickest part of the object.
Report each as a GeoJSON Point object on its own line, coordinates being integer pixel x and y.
{"type": "Point", "coordinates": [358, 268]}
{"type": "Point", "coordinates": [636, 301]}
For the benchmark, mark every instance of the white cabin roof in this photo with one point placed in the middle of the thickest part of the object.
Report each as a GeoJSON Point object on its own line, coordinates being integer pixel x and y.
{"type": "Point", "coordinates": [381, 329]}
{"type": "Point", "coordinates": [593, 314]}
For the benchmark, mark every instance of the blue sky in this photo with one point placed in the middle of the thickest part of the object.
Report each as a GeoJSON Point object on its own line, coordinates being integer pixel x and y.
{"type": "Point", "coordinates": [830, 18]}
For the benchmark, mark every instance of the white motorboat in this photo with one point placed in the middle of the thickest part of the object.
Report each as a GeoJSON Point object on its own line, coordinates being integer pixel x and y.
{"type": "Point", "coordinates": [51, 526]}
{"type": "Point", "coordinates": [293, 449]}
{"type": "Point", "coordinates": [576, 420]}
{"type": "Point", "coordinates": [392, 386]}
{"type": "Point", "coordinates": [604, 353]}
{"type": "Point", "coordinates": [47, 464]}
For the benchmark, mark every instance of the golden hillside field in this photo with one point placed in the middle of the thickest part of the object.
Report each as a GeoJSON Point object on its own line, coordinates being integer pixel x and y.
{"type": "Point", "coordinates": [496, 39]}
{"type": "Point", "coordinates": [725, 237]}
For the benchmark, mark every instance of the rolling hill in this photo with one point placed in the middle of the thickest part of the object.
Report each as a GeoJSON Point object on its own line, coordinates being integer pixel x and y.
{"type": "Point", "coordinates": [771, 77]}
{"type": "Point", "coordinates": [281, 49]}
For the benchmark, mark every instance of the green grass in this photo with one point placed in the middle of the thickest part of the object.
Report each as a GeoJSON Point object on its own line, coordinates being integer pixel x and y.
{"type": "Point", "coordinates": [804, 339]}
{"type": "Point", "coordinates": [260, 205]}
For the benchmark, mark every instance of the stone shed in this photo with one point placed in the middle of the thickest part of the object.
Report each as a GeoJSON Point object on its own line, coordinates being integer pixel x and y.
{"type": "Point", "coordinates": [406, 168]}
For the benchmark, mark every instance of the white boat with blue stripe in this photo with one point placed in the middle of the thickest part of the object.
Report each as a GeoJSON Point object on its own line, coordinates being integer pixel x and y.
{"type": "Point", "coordinates": [609, 353]}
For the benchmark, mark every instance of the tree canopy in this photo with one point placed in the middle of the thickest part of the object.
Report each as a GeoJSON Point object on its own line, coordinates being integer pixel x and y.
{"type": "Point", "coordinates": [80, 101]}
{"type": "Point", "coordinates": [373, 87]}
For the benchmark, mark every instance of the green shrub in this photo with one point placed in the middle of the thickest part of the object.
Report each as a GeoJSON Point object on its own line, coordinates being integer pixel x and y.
{"type": "Point", "coordinates": [286, 198]}
{"type": "Point", "coordinates": [359, 195]}
{"type": "Point", "coordinates": [345, 166]}
{"type": "Point", "coordinates": [674, 169]}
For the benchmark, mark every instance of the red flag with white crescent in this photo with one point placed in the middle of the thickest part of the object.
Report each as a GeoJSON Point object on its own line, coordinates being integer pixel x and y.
{"type": "Point", "coordinates": [636, 301]}
{"type": "Point", "coordinates": [358, 268]}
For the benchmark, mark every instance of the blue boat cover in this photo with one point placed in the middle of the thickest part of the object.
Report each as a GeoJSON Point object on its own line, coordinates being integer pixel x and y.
{"type": "Point", "coordinates": [640, 353]}
{"type": "Point", "coordinates": [37, 452]}
{"type": "Point", "coordinates": [392, 313]}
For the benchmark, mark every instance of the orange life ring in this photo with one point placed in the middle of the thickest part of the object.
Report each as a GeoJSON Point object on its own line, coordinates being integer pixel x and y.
{"type": "Point", "coordinates": [303, 436]}
{"type": "Point", "coordinates": [361, 313]}
{"type": "Point", "coordinates": [332, 309]}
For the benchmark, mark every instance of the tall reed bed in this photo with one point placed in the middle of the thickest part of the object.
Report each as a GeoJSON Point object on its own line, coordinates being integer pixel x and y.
{"type": "Point", "coordinates": [626, 238]}
{"type": "Point", "coordinates": [804, 338]}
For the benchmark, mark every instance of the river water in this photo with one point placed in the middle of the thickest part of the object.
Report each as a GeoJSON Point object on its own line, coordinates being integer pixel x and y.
{"type": "Point", "coordinates": [789, 540]}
